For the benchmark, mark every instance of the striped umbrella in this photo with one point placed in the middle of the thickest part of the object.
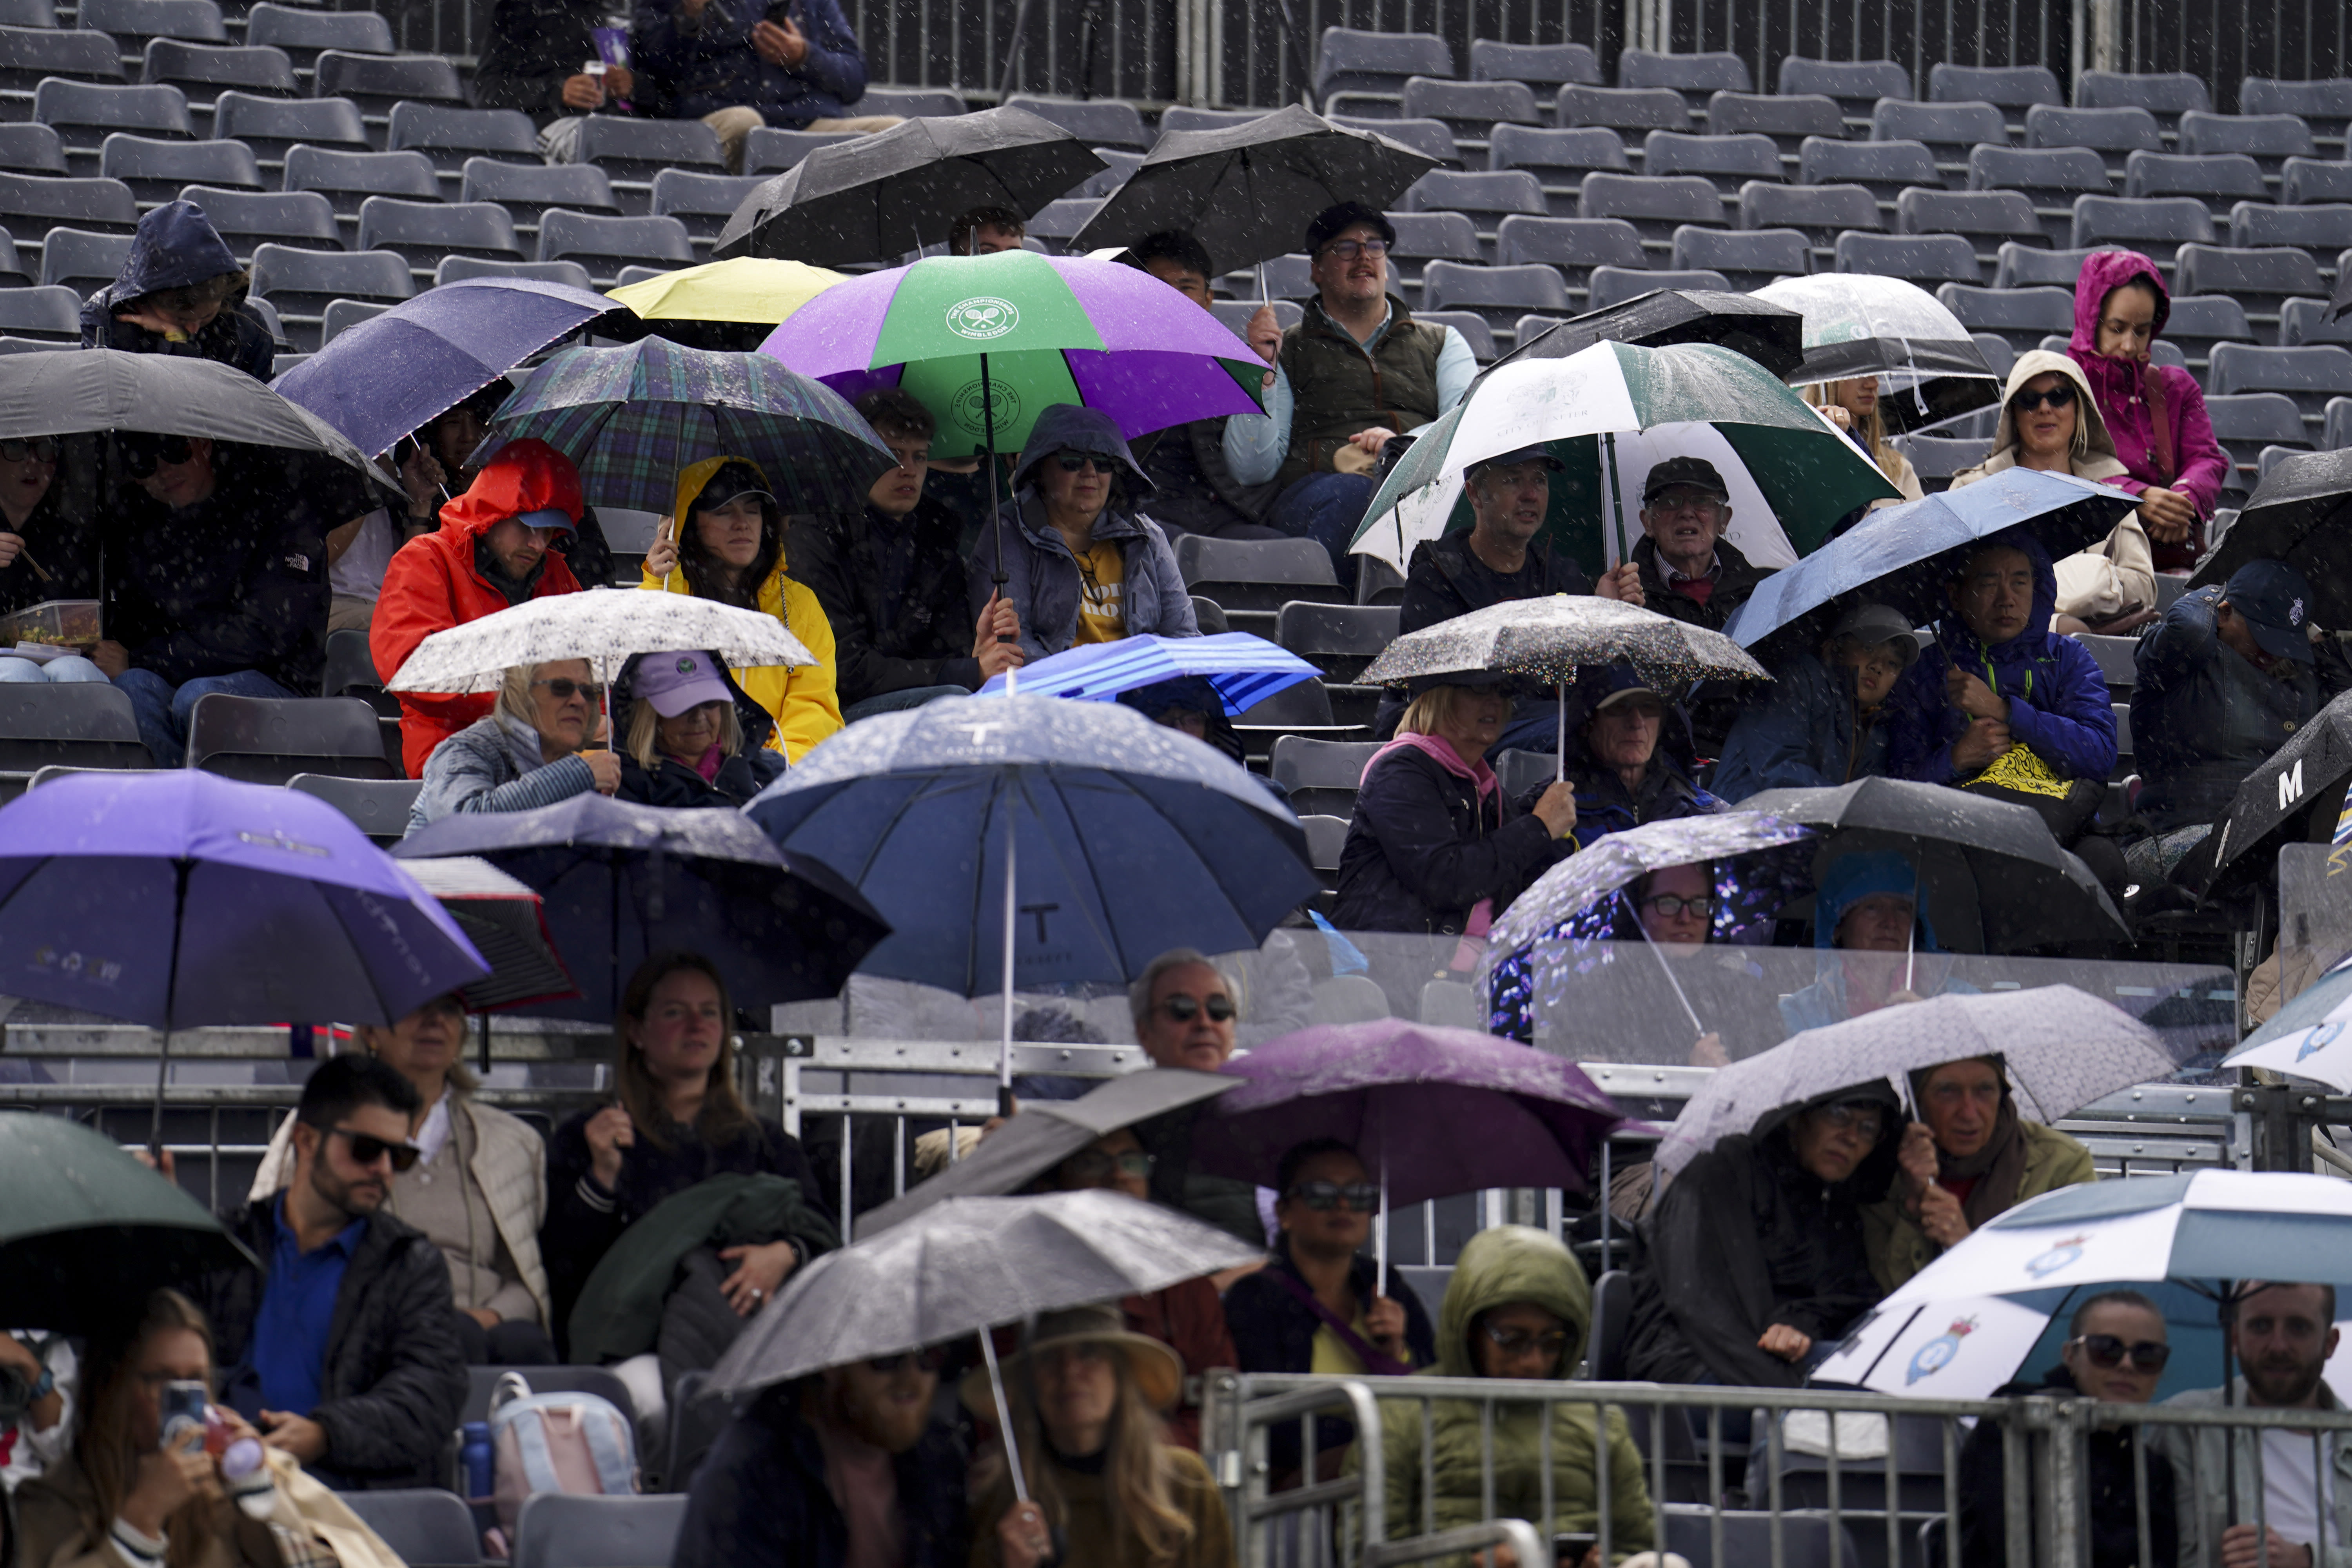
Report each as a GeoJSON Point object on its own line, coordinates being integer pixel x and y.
{"type": "Point", "coordinates": [632, 417]}
{"type": "Point", "coordinates": [1245, 669]}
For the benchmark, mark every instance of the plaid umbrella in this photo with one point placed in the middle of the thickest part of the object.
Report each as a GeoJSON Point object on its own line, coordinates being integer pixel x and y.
{"type": "Point", "coordinates": [632, 417]}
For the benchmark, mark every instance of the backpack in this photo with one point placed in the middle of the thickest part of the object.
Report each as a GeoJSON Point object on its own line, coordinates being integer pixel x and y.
{"type": "Point", "coordinates": [574, 1443]}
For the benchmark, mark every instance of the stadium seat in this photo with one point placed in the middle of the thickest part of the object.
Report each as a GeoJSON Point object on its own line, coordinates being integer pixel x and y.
{"type": "Point", "coordinates": [1321, 777]}
{"type": "Point", "coordinates": [27, 14]}
{"type": "Point", "coordinates": [82, 725]}
{"type": "Point", "coordinates": [1656, 207]}
{"type": "Point", "coordinates": [427, 232]}
{"type": "Point", "coordinates": [1730, 162]}
{"type": "Point", "coordinates": [1183, 117]}
{"type": "Point", "coordinates": [1056, 222]}
{"type": "Point", "coordinates": [1985, 219]}
{"type": "Point", "coordinates": [299, 283]}
{"type": "Point", "coordinates": [1427, 136]}
{"type": "Point", "coordinates": [1948, 131]}
{"type": "Point", "coordinates": [1364, 72]}
{"type": "Point", "coordinates": [2113, 133]}
{"type": "Point", "coordinates": [1423, 237]}
{"type": "Point", "coordinates": [273, 127]}
{"type": "Point", "coordinates": [911, 102]}
{"type": "Point", "coordinates": [204, 71]}
{"type": "Point", "coordinates": [1938, 457]}
{"type": "Point", "coordinates": [2015, 88]}
{"type": "Point", "coordinates": [1622, 108]}
{"type": "Point", "coordinates": [2270, 140]}
{"type": "Point", "coordinates": [704, 202]}
{"type": "Point", "coordinates": [377, 82]}
{"type": "Point", "coordinates": [13, 272]}
{"type": "Point", "coordinates": [1485, 197]}
{"type": "Point", "coordinates": [632, 152]}
{"type": "Point", "coordinates": [156, 169]}
{"type": "Point", "coordinates": [770, 150]}
{"type": "Point", "coordinates": [1098, 123]}
{"type": "Point", "coordinates": [29, 56]}
{"type": "Point", "coordinates": [606, 244]}
{"type": "Point", "coordinates": [1470, 110]}
{"type": "Point", "coordinates": [342, 315]}
{"type": "Point", "coordinates": [1574, 246]}
{"type": "Point", "coordinates": [2309, 375]}
{"type": "Point", "coordinates": [1750, 260]}
{"type": "Point", "coordinates": [1498, 295]}
{"type": "Point", "coordinates": [2245, 423]}
{"type": "Point", "coordinates": [32, 205]}
{"type": "Point", "coordinates": [1925, 259]}
{"type": "Point", "coordinates": [2167, 95]}
{"type": "Point", "coordinates": [2028, 267]}
{"type": "Point", "coordinates": [2049, 178]}
{"type": "Point", "coordinates": [1337, 639]}
{"type": "Point", "coordinates": [2219, 179]}
{"type": "Point", "coordinates": [1235, 314]}
{"type": "Point", "coordinates": [1856, 84]}
{"type": "Point", "coordinates": [247, 218]}
{"type": "Point", "coordinates": [559, 1531]}
{"type": "Point", "coordinates": [461, 267]}
{"type": "Point", "coordinates": [1560, 159]}
{"type": "Point", "coordinates": [2018, 312]}
{"type": "Point", "coordinates": [1821, 213]}
{"type": "Point", "coordinates": [2261, 280]}
{"type": "Point", "coordinates": [132, 23]}
{"type": "Point", "coordinates": [1615, 285]}
{"type": "Point", "coordinates": [305, 31]}
{"type": "Point", "coordinates": [421, 1526]}
{"type": "Point", "coordinates": [1118, 166]}
{"type": "Point", "coordinates": [2307, 181]}
{"type": "Point", "coordinates": [2324, 106]}
{"type": "Point", "coordinates": [1997, 354]}
{"type": "Point", "coordinates": [1250, 574]}
{"type": "Point", "coordinates": [448, 136]}
{"type": "Point", "coordinates": [84, 113]}
{"type": "Point", "coordinates": [30, 148]}
{"type": "Point", "coordinates": [528, 192]}
{"type": "Point", "coordinates": [2336, 434]}
{"type": "Point", "coordinates": [1885, 169]}
{"type": "Point", "coordinates": [267, 741]}
{"type": "Point", "coordinates": [1787, 119]}
{"type": "Point", "coordinates": [2323, 230]}
{"type": "Point", "coordinates": [2153, 224]}
{"type": "Point", "coordinates": [82, 261]}
{"type": "Point", "coordinates": [51, 315]}
{"type": "Point", "coordinates": [1694, 76]}
{"type": "Point", "coordinates": [1538, 65]}
{"type": "Point", "coordinates": [1528, 329]}
{"type": "Point", "coordinates": [2301, 321]}
{"type": "Point", "coordinates": [347, 179]}
{"type": "Point", "coordinates": [1475, 331]}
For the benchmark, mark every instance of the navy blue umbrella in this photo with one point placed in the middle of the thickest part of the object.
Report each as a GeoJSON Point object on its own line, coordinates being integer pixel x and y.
{"type": "Point", "coordinates": [623, 881]}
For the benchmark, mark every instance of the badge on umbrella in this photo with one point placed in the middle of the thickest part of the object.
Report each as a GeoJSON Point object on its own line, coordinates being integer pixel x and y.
{"type": "Point", "coordinates": [1936, 1353]}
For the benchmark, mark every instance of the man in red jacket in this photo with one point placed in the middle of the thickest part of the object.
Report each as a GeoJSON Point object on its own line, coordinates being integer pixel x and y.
{"type": "Point", "coordinates": [492, 552]}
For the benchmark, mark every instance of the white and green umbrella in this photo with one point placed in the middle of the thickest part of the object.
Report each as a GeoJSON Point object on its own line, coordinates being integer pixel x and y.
{"type": "Point", "coordinates": [1610, 414]}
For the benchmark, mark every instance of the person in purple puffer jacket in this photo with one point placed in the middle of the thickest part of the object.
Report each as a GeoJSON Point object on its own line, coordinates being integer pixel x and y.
{"type": "Point", "coordinates": [2154, 413]}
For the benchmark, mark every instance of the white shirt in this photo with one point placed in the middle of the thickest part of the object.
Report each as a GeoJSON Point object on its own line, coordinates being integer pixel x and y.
{"type": "Point", "coordinates": [2290, 1496]}
{"type": "Point", "coordinates": [436, 1130]}
{"type": "Point", "coordinates": [358, 572]}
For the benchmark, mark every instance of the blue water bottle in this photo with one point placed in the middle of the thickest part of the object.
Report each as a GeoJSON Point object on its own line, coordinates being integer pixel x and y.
{"type": "Point", "coordinates": [477, 1456]}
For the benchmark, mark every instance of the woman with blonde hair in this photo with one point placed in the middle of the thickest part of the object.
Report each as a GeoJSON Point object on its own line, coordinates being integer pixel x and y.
{"type": "Point", "coordinates": [1107, 1489]}
{"type": "Point", "coordinates": [1853, 406]}
{"type": "Point", "coordinates": [536, 747]}
{"type": "Point", "coordinates": [691, 737]}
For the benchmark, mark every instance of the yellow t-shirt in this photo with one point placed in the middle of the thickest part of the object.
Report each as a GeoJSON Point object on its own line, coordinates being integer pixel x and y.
{"type": "Point", "coordinates": [1330, 1356]}
{"type": "Point", "coordinates": [1102, 593]}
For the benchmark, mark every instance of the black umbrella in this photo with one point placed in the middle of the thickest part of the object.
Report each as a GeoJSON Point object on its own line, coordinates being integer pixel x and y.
{"type": "Point", "coordinates": [898, 190]}
{"type": "Point", "coordinates": [2302, 514]}
{"type": "Point", "coordinates": [1247, 191]}
{"type": "Point", "coordinates": [1771, 336]}
{"type": "Point", "coordinates": [2275, 804]}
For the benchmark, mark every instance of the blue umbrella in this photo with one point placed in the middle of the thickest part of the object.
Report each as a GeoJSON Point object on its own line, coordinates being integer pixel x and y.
{"type": "Point", "coordinates": [623, 881]}
{"type": "Point", "coordinates": [1889, 556]}
{"type": "Point", "coordinates": [1245, 669]}
{"type": "Point", "coordinates": [387, 376]}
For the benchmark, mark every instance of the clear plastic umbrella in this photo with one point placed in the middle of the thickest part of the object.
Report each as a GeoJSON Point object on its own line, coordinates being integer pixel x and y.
{"type": "Point", "coordinates": [1857, 324]}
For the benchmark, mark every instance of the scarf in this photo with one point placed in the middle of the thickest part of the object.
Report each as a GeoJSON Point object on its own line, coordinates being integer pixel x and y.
{"type": "Point", "coordinates": [1997, 1169]}
{"type": "Point", "coordinates": [1482, 778]}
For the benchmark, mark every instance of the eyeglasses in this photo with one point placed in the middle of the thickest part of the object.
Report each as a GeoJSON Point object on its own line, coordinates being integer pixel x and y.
{"type": "Point", "coordinates": [1348, 250]}
{"type": "Point", "coordinates": [1552, 1343]}
{"type": "Point", "coordinates": [141, 460]}
{"type": "Point", "coordinates": [1669, 907]}
{"type": "Point", "coordinates": [1324, 1196]}
{"type": "Point", "coordinates": [1091, 462]}
{"type": "Point", "coordinates": [1182, 1009]}
{"type": "Point", "coordinates": [1091, 1166]}
{"type": "Point", "coordinates": [930, 1359]}
{"type": "Point", "coordinates": [1865, 1120]}
{"type": "Point", "coordinates": [2059, 397]}
{"type": "Point", "coordinates": [2108, 1352]}
{"type": "Point", "coordinates": [42, 449]}
{"type": "Point", "coordinates": [1673, 502]}
{"type": "Point", "coordinates": [367, 1149]}
{"type": "Point", "coordinates": [564, 691]}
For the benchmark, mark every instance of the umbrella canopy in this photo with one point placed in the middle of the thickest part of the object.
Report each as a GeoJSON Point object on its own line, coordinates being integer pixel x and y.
{"type": "Point", "coordinates": [2274, 803]}
{"type": "Point", "coordinates": [1771, 336]}
{"type": "Point", "coordinates": [88, 1232]}
{"type": "Point", "coordinates": [1432, 1112]}
{"type": "Point", "coordinates": [1245, 191]}
{"type": "Point", "coordinates": [1047, 330]}
{"type": "Point", "coordinates": [1130, 839]}
{"type": "Point", "coordinates": [395, 373]}
{"type": "Point", "coordinates": [1047, 1132]}
{"type": "Point", "coordinates": [2311, 1037]}
{"type": "Point", "coordinates": [1858, 323]}
{"type": "Point", "coordinates": [1901, 555]}
{"type": "Point", "coordinates": [180, 899]}
{"type": "Point", "coordinates": [1610, 414]}
{"type": "Point", "coordinates": [607, 628]}
{"type": "Point", "coordinates": [2063, 1047]}
{"type": "Point", "coordinates": [965, 1266]}
{"type": "Point", "coordinates": [1550, 640]}
{"type": "Point", "coordinates": [2298, 515]}
{"type": "Point", "coordinates": [1612, 861]}
{"type": "Point", "coordinates": [507, 923]}
{"type": "Point", "coordinates": [623, 881]}
{"type": "Point", "coordinates": [631, 418]}
{"type": "Point", "coordinates": [898, 190]}
{"type": "Point", "coordinates": [726, 305]}
{"type": "Point", "coordinates": [1245, 669]}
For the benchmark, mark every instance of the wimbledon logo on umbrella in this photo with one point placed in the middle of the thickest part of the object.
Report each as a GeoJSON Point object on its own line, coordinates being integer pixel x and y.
{"type": "Point", "coordinates": [967, 408]}
{"type": "Point", "coordinates": [982, 317]}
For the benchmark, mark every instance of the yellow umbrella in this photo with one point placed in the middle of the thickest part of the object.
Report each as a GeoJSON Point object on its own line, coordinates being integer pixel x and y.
{"type": "Point", "coordinates": [727, 305]}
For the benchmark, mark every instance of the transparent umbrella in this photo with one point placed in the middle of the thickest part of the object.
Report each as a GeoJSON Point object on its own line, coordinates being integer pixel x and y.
{"type": "Point", "coordinates": [1858, 324]}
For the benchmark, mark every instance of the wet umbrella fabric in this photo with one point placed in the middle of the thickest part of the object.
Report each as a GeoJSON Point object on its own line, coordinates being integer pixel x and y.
{"type": "Point", "coordinates": [727, 305]}
{"type": "Point", "coordinates": [2275, 804]}
{"type": "Point", "coordinates": [607, 628]}
{"type": "Point", "coordinates": [1858, 323]}
{"type": "Point", "coordinates": [507, 923]}
{"type": "Point", "coordinates": [2310, 1036]}
{"type": "Point", "coordinates": [1771, 336]}
{"type": "Point", "coordinates": [2301, 514]}
{"type": "Point", "coordinates": [1550, 640]}
{"type": "Point", "coordinates": [1616, 861]}
{"type": "Point", "coordinates": [1242, 669]}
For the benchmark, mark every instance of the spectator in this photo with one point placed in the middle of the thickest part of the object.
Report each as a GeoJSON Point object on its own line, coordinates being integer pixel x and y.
{"type": "Point", "coordinates": [489, 552]}
{"type": "Point", "coordinates": [1518, 1305]}
{"type": "Point", "coordinates": [1315, 1307]}
{"type": "Point", "coordinates": [2116, 1351]}
{"type": "Point", "coordinates": [2155, 414]}
{"type": "Point", "coordinates": [1689, 570]}
{"type": "Point", "coordinates": [1622, 773]}
{"type": "Point", "coordinates": [541, 744]}
{"type": "Point", "coordinates": [533, 63]}
{"type": "Point", "coordinates": [180, 292]}
{"type": "Point", "coordinates": [65, 567]}
{"type": "Point", "coordinates": [1105, 1484]}
{"type": "Point", "coordinates": [440, 457]}
{"type": "Point", "coordinates": [1868, 903]}
{"type": "Point", "coordinates": [1081, 563]}
{"type": "Point", "coordinates": [847, 1465]}
{"type": "Point", "coordinates": [427, 465]}
{"type": "Point", "coordinates": [1356, 373]}
{"type": "Point", "coordinates": [985, 230]}
{"type": "Point", "coordinates": [1753, 1257]}
{"type": "Point", "coordinates": [792, 63]}
{"type": "Point", "coordinates": [38, 1436]}
{"type": "Point", "coordinates": [218, 583]}
{"type": "Point", "coordinates": [478, 1190]}
{"type": "Point", "coordinates": [1184, 1009]}
{"type": "Point", "coordinates": [728, 543]}
{"type": "Point", "coordinates": [2049, 421]}
{"type": "Point", "coordinates": [691, 738]}
{"type": "Point", "coordinates": [1671, 911]}
{"type": "Point", "coordinates": [2219, 684]}
{"type": "Point", "coordinates": [1969, 1157]}
{"type": "Point", "coordinates": [1853, 407]}
{"type": "Point", "coordinates": [343, 1345]}
{"type": "Point", "coordinates": [1823, 721]}
{"type": "Point", "coordinates": [1190, 703]}
{"type": "Point", "coordinates": [891, 583]}
{"type": "Point", "coordinates": [2280, 1336]}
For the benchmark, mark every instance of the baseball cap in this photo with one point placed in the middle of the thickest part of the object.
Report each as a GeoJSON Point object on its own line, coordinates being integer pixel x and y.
{"type": "Point", "coordinates": [674, 682]}
{"type": "Point", "coordinates": [1683, 471]}
{"type": "Point", "coordinates": [2276, 600]}
{"type": "Point", "coordinates": [548, 517]}
{"type": "Point", "coordinates": [1331, 220]}
{"type": "Point", "coordinates": [729, 483]}
{"type": "Point", "coordinates": [1620, 683]}
{"type": "Point", "coordinates": [1535, 454]}
{"type": "Point", "coordinates": [1871, 625]}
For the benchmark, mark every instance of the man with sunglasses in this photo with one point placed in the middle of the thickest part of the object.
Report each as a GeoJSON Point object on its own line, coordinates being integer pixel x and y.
{"type": "Point", "coordinates": [342, 1347]}
{"type": "Point", "coordinates": [1184, 1015]}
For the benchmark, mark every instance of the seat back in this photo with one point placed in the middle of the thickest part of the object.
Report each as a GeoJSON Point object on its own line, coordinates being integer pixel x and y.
{"type": "Point", "coordinates": [266, 740]}
{"type": "Point", "coordinates": [1538, 65]}
{"type": "Point", "coordinates": [1322, 777]}
{"type": "Point", "coordinates": [1884, 168]}
{"type": "Point", "coordinates": [1615, 285]}
{"type": "Point", "coordinates": [1098, 123]}
{"type": "Point", "coordinates": [203, 70]}
{"type": "Point", "coordinates": [2016, 88]}
{"type": "Point", "coordinates": [2167, 95]}
{"type": "Point", "coordinates": [1612, 1307]}
{"type": "Point", "coordinates": [28, 55]}
{"type": "Point", "coordinates": [378, 82]}
{"type": "Point", "coordinates": [1256, 575]}
{"type": "Point", "coordinates": [81, 725]}
{"type": "Point", "coordinates": [1359, 70]}
{"type": "Point", "coordinates": [1622, 108]}
{"type": "Point", "coordinates": [1750, 260]}
{"type": "Point", "coordinates": [771, 150]}
{"type": "Point", "coordinates": [272, 127]}
{"type": "Point", "coordinates": [1927, 259]}
{"type": "Point", "coordinates": [156, 169]}
{"type": "Point", "coordinates": [421, 1525]}
{"type": "Point", "coordinates": [1694, 76]}
{"type": "Point", "coordinates": [1787, 120]}
{"type": "Point", "coordinates": [1325, 836]}
{"type": "Point", "coordinates": [380, 807]}
{"type": "Point", "coordinates": [606, 244]}
{"type": "Point", "coordinates": [632, 152]}
{"type": "Point", "coordinates": [1856, 84]}
{"type": "Point", "coordinates": [82, 261]}
{"type": "Point", "coordinates": [427, 232]}
{"type": "Point", "coordinates": [304, 32]}
{"type": "Point", "coordinates": [1337, 639]}
{"type": "Point", "coordinates": [557, 1530]}
{"type": "Point", "coordinates": [2036, 310]}
{"type": "Point", "coordinates": [247, 220]}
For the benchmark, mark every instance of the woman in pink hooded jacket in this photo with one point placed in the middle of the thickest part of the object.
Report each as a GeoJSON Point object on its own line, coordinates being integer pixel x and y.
{"type": "Point", "coordinates": [2156, 414]}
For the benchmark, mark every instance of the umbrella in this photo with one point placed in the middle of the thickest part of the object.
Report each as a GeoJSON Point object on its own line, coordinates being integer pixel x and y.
{"type": "Point", "coordinates": [623, 881]}
{"type": "Point", "coordinates": [2307, 1037]}
{"type": "Point", "coordinates": [1245, 669]}
{"type": "Point", "coordinates": [1047, 1132]}
{"type": "Point", "coordinates": [2274, 803]}
{"type": "Point", "coordinates": [1245, 190]}
{"type": "Point", "coordinates": [395, 372]}
{"type": "Point", "coordinates": [632, 417]}
{"type": "Point", "coordinates": [2063, 1047]}
{"type": "Point", "coordinates": [2298, 514]}
{"type": "Point", "coordinates": [898, 190]}
{"type": "Point", "coordinates": [1770, 335]}
{"type": "Point", "coordinates": [604, 626]}
{"type": "Point", "coordinates": [1858, 323]}
{"type": "Point", "coordinates": [2341, 301]}
{"type": "Point", "coordinates": [93, 1231]}
{"type": "Point", "coordinates": [507, 923]}
{"type": "Point", "coordinates": [1897, 555]}
{"type": "Point", "coordinates": [1611, 411]}
{"type": "Point", "coordinates": [730, 305]}
{"type": "Point", "coordinates": [2026, 890]}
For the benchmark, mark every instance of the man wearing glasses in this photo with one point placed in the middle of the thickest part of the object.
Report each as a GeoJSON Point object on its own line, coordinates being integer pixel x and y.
{"type": "Point", "coordinates": [342, 1347]}
{"type": "Point", "coordinates": [1689, 570]}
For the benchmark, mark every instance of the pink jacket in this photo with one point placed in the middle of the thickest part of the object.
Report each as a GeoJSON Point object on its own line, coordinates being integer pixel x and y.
{"type": "Point", "coordinates": [2132, 396]}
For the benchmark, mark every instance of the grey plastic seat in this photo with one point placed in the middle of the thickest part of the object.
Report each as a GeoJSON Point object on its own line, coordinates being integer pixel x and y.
{"type": "Point", "coordinates": [1820, 213]}
{"type": "Point", "coordinates": [2167, 95]}
{"type": "Point", "coordinates": [1925, 259]}
{"type": "Point", "coordinates": [1615, 285]}
{"type": "Point", "coordinates": [1468, 109]}
{"type": "Point", "coordinates": [29, 205]}
{"type": "Point", "coordinates": [2270, 140]}
{"type": "Point", "coordinates": [1750, 260]}
{"type": "Point", "coordinates": [606, 244]}
{"type": "Point", "coordinates": [1475, 331]}
{"type": "Point", "coordinates": [2219, 179]}
{"type": "Point", "coordinates": [1574, 246]}
{"type": "Point", "coordinates": [342, 315]}
{"type": "Point", "coordinates": [1364, 72]}
{"type": "Point", "coordinates": [132, 23]}
{"type": "Point", "coordinates": [1538, 65]}
{"type": "Point", "coordinates": [559, 1531]}
{"type": "Point", "coordinates": [1728, 161]}
{"type": "Point", "coordinates": [156, 169]}
{"type": "Point", "coordinates": [1938, 457]}
{"type": "Point", "coordinates": [51, 315]}
{"type": "Point", "coordinates": [1985, 218]}
{"type": "Point", "coordinates": [305, 31]}
{"type": "Point", "coordinates": [1118, 166]}
{"type": "Point", "coordinates": [1498, 295]}
{"type": "Point", "coordinates": [82, 261]}
{"type": "Point", "coordinates": [84, 725]}
{"type": "Point", "coordinates": [204, 71]}
{"type": "Point", "coordinates": [2338, 430]}
{"type": "Point", "coordinates": [1428, 136]}
{"type": "Point", "coordinates": [268, 740]}
{"type": "Point", "coordinates": [2310, 375]}
{"type": "Point", "coordinates": [462, 267]}
{"type": "Point", "coordinates": [632, 152]}
{"type": "Point", "coordinates": [2261, 280]}
{"type": "Point", "coordinates": [1184, 116]}
{"type": "Point", "coordinates": [422, 1526]}
{"type": "Point", "coordinates": [1694, 76]}
{"type": "Point", "coordinates": [1098, 123]}
{"type": "Point", "coordinates": [2049, 178]}
{"type": "Point", "coordinates": [704, 202]}
{"type": "Point", "coordinates": [14, 273]}
{"type": "Point", "coordinates": [2324, 106]}
{"type": "Point", "coordinates": [1786, 119]}
{"type": "Point", "coordinates": [85, 112]}
{"type": "Point", "coordinates": [1338, 640]}
{"type": "Point", "coordinates": [1856, 84]}
{"type": "Point", "coordinates": [2019, 266]}
{"type": "Point", "coordinates": [1430, 237]}
{"type": "Point", "coordinates": [771, 150]}
{"type": "Point", "coordinates": [1997, 354]}
{"type": "Point", "coordinates": [27, 148]}
{"type": "Point", "coordinates": [247, 218]}
{"type": "Point", "coordinates": [1622, 108]}
{"type": "Point", "coordinates": [449, 135]}
{"type": "Point", "coordinates": [427, 232]}
{"type": "Point", "coordinates": [2151, 225]}
{"type": "Point", "coordinates": [2305, 181]}
{"type": "Point", "coordinates": [29, 56]}
{"type": "Point", "coordinates": [378, 82]}
{"type": "Point", "coordinates": [27, 14]}
{"type": "Point", "coordinates": [1656, 207]}
{"type": "Point", "coordinates": [2246, 422]}
{"type": "Point", "coordinates": [2115, 133]}
{"type": "Point", "coordinates": [1321, 777]}
{"type": "Point", "coordinates": [273, 127]}
{"type": "Point", "coordinates": [2323, 230]}
{"type": "Point", "coordinates": [2301, 321]}
{"type": "Point", "coordinates": [2016, 88]}
{"type": "Point", "coordinates": [348, 179]}
{"type": "Point", "coordinates": [1056, 222]}
{"type": "Point", "coordinates": [1560, 159]}
{"type": "Point", "coordinates": [2021, 312]}
{"type": "Point", "coordinates": [911, 102]}
{"type": "Point", "coordinates": [300, 283]}
{"type": "Point", "coordinates": [528, 192]}
{"type": "Point", "coordinates": [1948, 129]}
{"type": "Point", "coordinates": [1885, 169]}
{"type": "Point", "coordinates": [1486, 195]}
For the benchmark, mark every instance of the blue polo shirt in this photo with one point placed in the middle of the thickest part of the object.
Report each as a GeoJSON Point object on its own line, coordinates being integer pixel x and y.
{"type": "Point", "coordinates": [298, 1313]}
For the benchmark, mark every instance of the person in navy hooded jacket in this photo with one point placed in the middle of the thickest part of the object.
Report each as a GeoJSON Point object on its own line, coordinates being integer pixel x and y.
{"type": "Point", "coordinates": [180, 292]}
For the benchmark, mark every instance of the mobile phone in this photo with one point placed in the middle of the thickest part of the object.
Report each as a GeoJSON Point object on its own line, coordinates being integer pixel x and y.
{"type": "Point", "coordinates": [781, 12]}
{"type": "Point", "coordinates": [1568, 1551]}
{"type": "Point", "coordinates": [185, 1404]}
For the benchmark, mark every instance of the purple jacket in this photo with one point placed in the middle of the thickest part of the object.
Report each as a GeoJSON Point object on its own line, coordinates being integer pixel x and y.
{"type": "Point", "coordinates": [2126, 391]}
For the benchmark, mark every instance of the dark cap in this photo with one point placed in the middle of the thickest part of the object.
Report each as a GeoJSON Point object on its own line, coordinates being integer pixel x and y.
{"type": "Point", "coordinates": [2275, 602]}
{"type": "Point", "coordinates": [1683, 471]}
{"type": "Point", "coordinates": [1331, 220]}
{"type": "Point", "coordinates": [1871, 625]}
{"type": "Point", "coordinates": [1535, 454]}
{"type": "Point", "coordinates": [1615, 684]}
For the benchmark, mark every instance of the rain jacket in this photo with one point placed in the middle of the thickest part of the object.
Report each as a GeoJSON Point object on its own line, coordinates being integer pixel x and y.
{"type": "Point", "coordinates": [2058, 702]}
{"type": "Point", "coordinates": [1735, 579]}
{"type": "Point", "coordinates": [176, 244]}
{"type": "Point", "coordinates": [494, 764]}
{"type": "Point", "coordinates": [1434, 844]}
{"type": "Point", "coordinates": [885, 642]}
{"type": "Point", "coordinates": [435, 582]}
{"type": "Point", "coordinates": [2146, 407]}
{"type": "Point", "coordinates": [707, 67]}
{"type": "Point", "coordinates": [1898, 1248]}
{"type": "Point", "coordinates": [1604, 805]}
{"type": "Point", "coordinates": [2203, 716]}
{"type": "Point", "coordinates": [64, 540]}
{"type": "Point", "coordinates": [670, 782]}
{"type": "Point", "coordinates": [2112, 1494]}
{"type": "Point", "coordinates": [536, 46]}
{"type": "Point", "coordinates": [1850, 879]}
{"type": "Point", "coordinates": [801, 699]}
{"type": "Point", "coordinates": [1803, 735]}
{"type": "Point", "coordinates": [1498, 1267]}
{"type": "Point", "coordinates": [2203, 1508]}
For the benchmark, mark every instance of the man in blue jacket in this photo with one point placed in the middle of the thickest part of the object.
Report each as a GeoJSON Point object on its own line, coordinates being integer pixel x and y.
{"type": "Point", "coordinates": [737, 65]}
{"type": "Point", "coordinates": [180, 292]}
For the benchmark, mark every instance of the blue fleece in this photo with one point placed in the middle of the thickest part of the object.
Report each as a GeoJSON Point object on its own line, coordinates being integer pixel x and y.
{"type": "Point", "coordinates": [1862, 875]}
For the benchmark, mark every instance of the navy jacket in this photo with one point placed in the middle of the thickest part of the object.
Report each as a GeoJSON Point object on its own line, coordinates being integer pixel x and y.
{"type": "Point", "coordinates": [1800, 734]}
{"type": "Point", "coordinates": [2203, 716]}
{"type": "Point", "coordinates": [667, 784]}
{"type": "Point", "coordinates": [1425, 848]}
{"type": "Point", "coordinates": [1604, 805]}
{"type": "Point", "coordinates": [175, 246]}
{"type": "Point", "coordinates": [713, 67]}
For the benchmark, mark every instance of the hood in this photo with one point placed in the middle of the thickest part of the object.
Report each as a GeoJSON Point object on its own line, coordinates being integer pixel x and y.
{"type": "Point", "coordinates": [175, 246]}
{"type": "Point", "coordinates": [1512, 1263]}
{"type": "Point", "coordinates": [1862, 875]}
{"type": "Point", "coordinates": [695, 475]}
{"type": "Point", "coordinates": [2091, 438]}
{"type": "Point", "coordinates": [1871, 1178]}
{"type": "Point", "coordinates": [758, 725]}
{"type": "Point", "coordinates": [1960, 644]}
{"type": "Point", "coordinates": [521, 477]}
{"type": "Point", "coordinates": [2103, 272]}
{"type": "Point", "coordinates": [1068, 427]}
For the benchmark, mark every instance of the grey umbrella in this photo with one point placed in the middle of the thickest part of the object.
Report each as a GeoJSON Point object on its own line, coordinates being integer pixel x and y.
{"type": "Point", "coordinates": [1047, 1132]}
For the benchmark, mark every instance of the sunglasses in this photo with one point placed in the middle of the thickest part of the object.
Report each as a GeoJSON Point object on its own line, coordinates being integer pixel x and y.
{"type": "Point", "coordinates": [1184, 1009]}
{"type": "Point", "coordinates": [141, 460]}
{"type": "Point", "coordinates": [1867, 1121]}
{"type": "Point", "coordinates": [367, 1149]}
{"type": "Point", "coordinates": [1074, 462]}
{"type": "Point", "coordinates": [930, 1359]}
{"type": "Point", "coordinates": [1324, 1196]}
{"type": "Point", "coordinates": [42, 449]}
{"type": "Point", "coordinates": [564, 690]}
{"type": "Point", "coordinates": [1093, 1165]}
{"type": "Point", "coordinates": [1348, 250]}
{"type": "Point", "coordinates": [2107, 1352]}
{"type": "Point", "coordinates": [2059, 397]}
{"type": "Point", "coordinates": [1552, 1343]}
{"type": "Point", "coordinates": [1669, 907]}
